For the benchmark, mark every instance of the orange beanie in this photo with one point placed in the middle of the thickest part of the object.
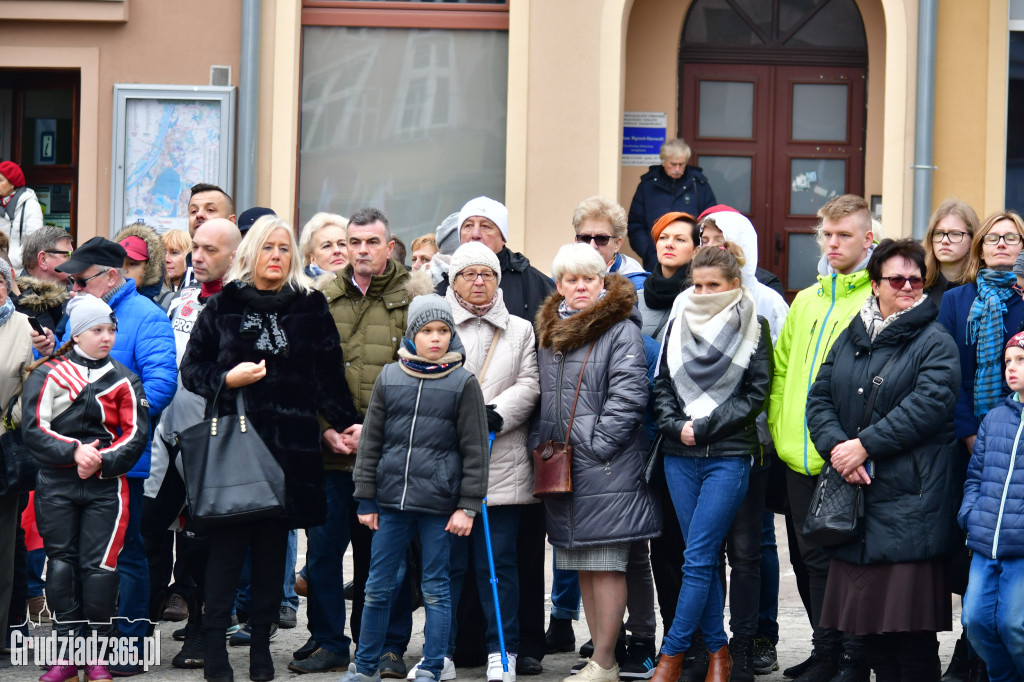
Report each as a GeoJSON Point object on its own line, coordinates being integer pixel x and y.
{"type": "Point", "coordinates": [664, 221]}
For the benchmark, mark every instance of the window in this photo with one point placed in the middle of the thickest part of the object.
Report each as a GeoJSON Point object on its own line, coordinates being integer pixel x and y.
{"type": "Point", "coordinates": [1015, 110]}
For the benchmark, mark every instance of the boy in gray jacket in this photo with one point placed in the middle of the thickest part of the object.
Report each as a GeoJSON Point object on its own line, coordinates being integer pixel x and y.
{"type": "Point", "coordinates": [421, 468]}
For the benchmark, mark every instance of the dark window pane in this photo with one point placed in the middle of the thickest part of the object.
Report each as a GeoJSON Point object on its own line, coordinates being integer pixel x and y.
{"type": "Point", "coordinates": [1014, 129]}
{"type": "Point", "coordinates": [48, 122]}
{"type": "Point", "coordinates": [838, 24]}
{"type": "Point", "coordinates": [828, 24]}
{"type": "Point", "coordinates": [715, 22]}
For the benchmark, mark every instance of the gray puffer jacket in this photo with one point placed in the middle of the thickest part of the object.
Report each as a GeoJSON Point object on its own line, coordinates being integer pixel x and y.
{"type": "Point", "coordinates": [610, 502]}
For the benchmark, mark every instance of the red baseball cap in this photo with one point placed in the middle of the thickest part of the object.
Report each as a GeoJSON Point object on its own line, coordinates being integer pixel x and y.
{"type": "Point", "coordinates": [136, 247]}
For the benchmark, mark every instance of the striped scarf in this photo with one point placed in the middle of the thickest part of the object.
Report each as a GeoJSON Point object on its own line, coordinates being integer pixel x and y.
{"type": "Point", "coordinates": [986, 331]}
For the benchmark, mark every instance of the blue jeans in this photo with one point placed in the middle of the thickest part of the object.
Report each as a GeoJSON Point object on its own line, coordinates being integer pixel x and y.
{"type": "Point", "coordinates": [565, 594]}
{"type": "Point", "coordinates": [706, 492]}
{"type": "Point", "coordinates": [387, 569]}
{"type": "Point", "coordinates": [768, 612]}
{"type": "Point", "coordinates": [36, 562]}
{"type": "Point", "coordinates": [326, 545]}
{"type": "Point", "coordinates": [243, 597]}
{"type": "Point", "coordinates": [504, 522]}
{"type": "Point", "coordinates": [993, 617]}
{"type": "Point", "coordinates": [133, 571]}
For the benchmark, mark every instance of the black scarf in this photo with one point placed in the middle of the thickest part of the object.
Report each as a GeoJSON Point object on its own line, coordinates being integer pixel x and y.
{"type": "Point", "coordinates": [660, 291]}
{"type": "Point", "coordinates": [259, 319]}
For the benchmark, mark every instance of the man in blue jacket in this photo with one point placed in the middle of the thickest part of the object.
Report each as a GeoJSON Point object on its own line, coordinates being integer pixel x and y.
{"type": "Point", "coordinates": [670, 186]}
{"type": "Point", "coordinates": [144, 344]}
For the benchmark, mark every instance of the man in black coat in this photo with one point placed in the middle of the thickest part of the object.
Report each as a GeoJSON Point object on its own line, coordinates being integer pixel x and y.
{"type": "Point", "coordinates": [670, 186]}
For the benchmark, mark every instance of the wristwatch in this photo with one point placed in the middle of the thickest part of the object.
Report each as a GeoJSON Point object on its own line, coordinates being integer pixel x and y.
{"type": "Point", "coordinates": [470, 513]}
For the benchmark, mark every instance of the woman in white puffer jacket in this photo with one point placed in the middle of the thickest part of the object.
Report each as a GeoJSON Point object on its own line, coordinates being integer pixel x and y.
{"type": "Point", "coordinates": [509, 379]}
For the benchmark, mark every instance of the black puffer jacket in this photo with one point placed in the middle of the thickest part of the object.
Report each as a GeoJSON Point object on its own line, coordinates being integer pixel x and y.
{"type": "Point", "coordinates": [610, 502]}
{"type": "Point", "coordinates": [523, 286]}
{"type": "Point", "coordinates": [658, 194]}
{"type": "Point", "coordinates": [910, 507]}
{"type": "Point", "coordinates": [731, 428]}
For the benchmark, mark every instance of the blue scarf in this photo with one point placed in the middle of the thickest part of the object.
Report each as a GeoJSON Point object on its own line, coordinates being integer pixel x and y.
{"type": "Point", "coordinates": [416, 364]}
{"type": "Point", "coordinates": [5, 311]}
{"type": "Point", "coordinates": [986, 331]}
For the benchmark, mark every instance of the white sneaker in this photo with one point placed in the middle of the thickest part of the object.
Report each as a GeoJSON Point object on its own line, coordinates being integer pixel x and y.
{"type": "Point", "coordinates": [447, 672]}
{"type": "Point", "coordinates": [495, 672]}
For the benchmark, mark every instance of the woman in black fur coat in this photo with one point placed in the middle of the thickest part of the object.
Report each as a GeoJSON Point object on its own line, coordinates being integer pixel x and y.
{"type": "Point", "coordinates": [269, 332]}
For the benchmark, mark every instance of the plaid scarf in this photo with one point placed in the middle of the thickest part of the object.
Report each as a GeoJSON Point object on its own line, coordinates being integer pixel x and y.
{"type": "Point", "coordinates": [986, 331]}
{"type": "Point", "coordinates": [709, 348]}
{"type": "Point", "coordinates": [418, 366]}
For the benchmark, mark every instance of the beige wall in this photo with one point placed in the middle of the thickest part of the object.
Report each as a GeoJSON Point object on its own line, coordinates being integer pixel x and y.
{"type": "Point", "coordinates": [138, 51]}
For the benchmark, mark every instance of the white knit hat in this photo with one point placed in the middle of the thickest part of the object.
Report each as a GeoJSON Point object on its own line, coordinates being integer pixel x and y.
{"type": "Point", "coordinates": [473, 253]}
{"type": "Point", "coordinates": [85, 311]}
{"type": "Point", "coordinates": [486, 207]}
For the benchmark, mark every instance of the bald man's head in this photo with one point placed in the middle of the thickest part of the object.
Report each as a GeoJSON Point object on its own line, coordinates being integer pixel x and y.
{"type": "Point", "coordinates": [213, 248]}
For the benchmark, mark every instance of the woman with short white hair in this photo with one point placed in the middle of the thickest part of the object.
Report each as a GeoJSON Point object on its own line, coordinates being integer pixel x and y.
{"type": "Point", "coordinates": [323, 244]}
{"type": "Point", "coordinates": [590, 339]}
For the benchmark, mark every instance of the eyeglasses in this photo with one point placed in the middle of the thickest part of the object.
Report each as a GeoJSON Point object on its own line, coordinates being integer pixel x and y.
{"type": "Point", "coordinates": [80, 282]}
{"type": "Point", "coordinates": [601, 239]}
{"type": "Point", "coordinates": [897, 282]}
{"type": "Point", "coordinates": [472, 276]}
{"type": "Point", "coordinates": [954, 237]}
{"type": "Point", "coordinates": [55, 252]}
{"type": "Point", "coordinates": [1011, 239]}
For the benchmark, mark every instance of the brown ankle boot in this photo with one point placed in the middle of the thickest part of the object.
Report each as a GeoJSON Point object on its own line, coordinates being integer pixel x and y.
{"type": "Point", "coordinates": [720, 666]}
{"type": "Point", "coordinates": [669, 668]}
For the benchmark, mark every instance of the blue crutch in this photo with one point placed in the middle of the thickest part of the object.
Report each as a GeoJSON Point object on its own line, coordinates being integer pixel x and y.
{"type": "Point", "coordinates": [505, 675]}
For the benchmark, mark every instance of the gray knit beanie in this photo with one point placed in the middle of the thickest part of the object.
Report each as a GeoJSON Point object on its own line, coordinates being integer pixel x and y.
{"type": "Point", "coordinates": [1018, 267]}
{"type": "Point", "coordinates": [6, 272]}
{"type": "Point", "coordinates": [85, 311]}
{"type": "Point", "coordinates": [426, 309]}
{"type": "Point", "coordinates": [447, 235]}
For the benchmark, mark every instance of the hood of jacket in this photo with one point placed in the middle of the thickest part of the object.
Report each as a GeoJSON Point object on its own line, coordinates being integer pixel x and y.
{"type": "Point", "coordinates": [562, 336]}
{"type": "Point", "coordinates": [512, 260]}
{"type": "Point", "coordinates": [41, 295]}
{"type": "Point", "coordinates": [155, 264]}
{"type": "Point", "coordinates": [657, 172]}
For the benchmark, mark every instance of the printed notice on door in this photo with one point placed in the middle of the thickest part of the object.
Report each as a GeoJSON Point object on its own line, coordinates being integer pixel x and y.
{"type": "Point", "coordinates": [643, 133]}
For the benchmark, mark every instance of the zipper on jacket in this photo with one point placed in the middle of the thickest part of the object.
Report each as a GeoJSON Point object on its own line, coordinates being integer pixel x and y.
{"type": "Point", "coordinates": [811, 374]}
{"type": "Point", "coordinates": [810, 339]}
{"type": "Point", "coordinates": [558, 414]}
{"type": "Point", "coordinates": [1006, 487]}
{"type": "Point", "coordinates": [408, 452]}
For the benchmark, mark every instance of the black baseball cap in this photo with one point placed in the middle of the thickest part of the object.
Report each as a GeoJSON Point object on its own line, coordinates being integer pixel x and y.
{"type": "Point", "coordinates": [96, 251]}
{"type": "Point", "coordinates": [250, 216]}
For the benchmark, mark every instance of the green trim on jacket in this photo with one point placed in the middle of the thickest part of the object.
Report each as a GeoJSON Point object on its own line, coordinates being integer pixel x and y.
{"type": "Point", "coordinates": [818, 315]}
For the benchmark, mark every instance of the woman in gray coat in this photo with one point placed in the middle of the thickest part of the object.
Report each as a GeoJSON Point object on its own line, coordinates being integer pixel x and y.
{"type": "Point", "coordinates": [610, 506]}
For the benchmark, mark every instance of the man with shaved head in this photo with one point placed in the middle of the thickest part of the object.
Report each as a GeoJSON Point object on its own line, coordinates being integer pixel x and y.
{"type": "Point", "coordinates": [213, 251]}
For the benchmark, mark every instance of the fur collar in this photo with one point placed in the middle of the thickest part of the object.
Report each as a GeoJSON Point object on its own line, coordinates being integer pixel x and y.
{"type": "Point", "coordinates": [587, 325]}
{"type": "Point", "coordinates": [40, 294]}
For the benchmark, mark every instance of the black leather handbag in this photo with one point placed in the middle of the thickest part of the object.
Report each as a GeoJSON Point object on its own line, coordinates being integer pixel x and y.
{"type": "Point", "coordinates": [18, 468]}
{"type": "Point", "coordinates": [837, 507]}
{"type": "Point", "coordinates": [230, 475]}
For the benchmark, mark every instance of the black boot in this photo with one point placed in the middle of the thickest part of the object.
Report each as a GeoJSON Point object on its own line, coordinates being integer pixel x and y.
{"type": "Point", "coordinates": [822, 666]}
{"type": "Point", "coordinates": [261, 664]}
{"type": "Point", "coordinates": [695, 665]}
{"type": "Point", "coordinates": [742, 650]}
{"type": "Point", "coordinates": [852, 668]}
{"type": "Point", "coordinates": [959, 669]}
{"type": "Point", "coordinates": [560, 636]}
{"type": "Point", "coordinates": [215, 656]}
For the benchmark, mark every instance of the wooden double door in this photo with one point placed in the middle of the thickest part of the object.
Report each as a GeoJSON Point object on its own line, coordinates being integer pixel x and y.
{"type": "Point", "coordinates": [776, 142]}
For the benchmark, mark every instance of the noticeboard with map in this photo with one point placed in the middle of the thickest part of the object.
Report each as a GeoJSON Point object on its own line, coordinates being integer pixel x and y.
{"type": "Point", "coordinates": [167, 139]}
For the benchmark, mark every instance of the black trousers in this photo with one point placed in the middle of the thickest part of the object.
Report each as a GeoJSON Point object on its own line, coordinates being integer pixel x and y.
{"type": "Point", "coordinates": [530, 546]}
{"type": "Point", "coordinates": [227, 548]}
{"type": "Point", "coordinates": [743, 547]}
{"type": "Point", "coordinates": [904, 656]}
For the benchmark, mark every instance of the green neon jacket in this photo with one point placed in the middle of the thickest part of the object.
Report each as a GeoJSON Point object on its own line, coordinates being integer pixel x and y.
{"type": "Point", "coordinates": [817, 317]}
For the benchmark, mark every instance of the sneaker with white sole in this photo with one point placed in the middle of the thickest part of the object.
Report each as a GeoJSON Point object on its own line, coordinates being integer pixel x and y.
{"type": "Point", "coordinates": [447, 672]}
{"type": "Point", "coordinates": [592, 672]}
{"type": "Point", "coordinates": [495, 671]}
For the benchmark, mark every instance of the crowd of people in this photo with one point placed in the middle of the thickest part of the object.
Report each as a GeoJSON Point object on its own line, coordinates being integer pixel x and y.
{"type": "Point", "coordinates": [647, 418]}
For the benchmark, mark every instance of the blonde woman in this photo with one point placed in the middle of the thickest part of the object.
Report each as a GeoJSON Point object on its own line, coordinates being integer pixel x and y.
{"type": "Point", "coordinates": [323, 244]}
{"type": "Point", "coordinates": [177, 245]}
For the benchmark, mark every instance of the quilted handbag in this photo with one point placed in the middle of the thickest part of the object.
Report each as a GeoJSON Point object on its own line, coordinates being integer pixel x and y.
{"type": "Point", "coordinates": [230, 475]}
{"type": "Point", "coordinates": [18, 468]}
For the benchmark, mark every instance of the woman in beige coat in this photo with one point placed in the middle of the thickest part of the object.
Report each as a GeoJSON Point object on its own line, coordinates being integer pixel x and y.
{"type": "Point", "coordinates": [500, 351]}
{"type": "Point", "coordinates": [16, 356]}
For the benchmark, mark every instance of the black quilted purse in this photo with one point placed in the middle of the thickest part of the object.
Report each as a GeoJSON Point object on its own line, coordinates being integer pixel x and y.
{"type": "Point", "coordinates": [18, 468]}
{"type": "Point", "coordinates": [837, 507]}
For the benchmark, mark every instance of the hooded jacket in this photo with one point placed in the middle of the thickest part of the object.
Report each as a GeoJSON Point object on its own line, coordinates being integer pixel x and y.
{"type": "Point", "coordinates": [658, 194]}
{"type": "Point", "coordinates": [610, 502]}
{"type": "Point", "coordinates": [511, 385]}
{"type": "Point", "coordinates": [910, 506]}
{"type": "Point", "coordinates": [153, 276]}
{"type": "Point", "coordinates": [524, 287]}
{"type": "Point", "coordinates": [371, 327]}
{"type": "Point", "coordinates": [818, 316]}
{"type": "Point", "coordinates": [22, 216]}
{"type": "Point", "coordinates": [992, 512]}
{"type": "Point", "coordinates": [43, 300]}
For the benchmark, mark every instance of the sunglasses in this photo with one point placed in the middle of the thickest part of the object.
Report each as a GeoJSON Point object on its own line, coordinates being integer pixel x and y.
{"type": "Point", "coordinates": [81, 282]}
{"type": "Point", "coordinates": [600, 239]}
{"type": "Point", "coordinates": [66, 254]}
{"type": "Point", "coordinates": [897, 282]}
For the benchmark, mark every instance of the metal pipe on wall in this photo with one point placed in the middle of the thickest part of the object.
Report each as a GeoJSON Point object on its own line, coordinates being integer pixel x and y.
{"type": "Point", "coordinates": [248, 106]}
{"type": "Point", "coordinates": [924, 123]}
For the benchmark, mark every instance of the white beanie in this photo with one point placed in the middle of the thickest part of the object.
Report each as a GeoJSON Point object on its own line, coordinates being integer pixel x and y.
{"type": "Point", "coordinates": [473, 253]}
{"type": "Point", "coordinates": [486, 208]}
{"type": "Point", "coordinates": [85, 311]}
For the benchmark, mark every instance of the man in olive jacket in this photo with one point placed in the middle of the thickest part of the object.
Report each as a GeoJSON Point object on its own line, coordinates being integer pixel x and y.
{"type": "Point", "coordinates": [369, 300]}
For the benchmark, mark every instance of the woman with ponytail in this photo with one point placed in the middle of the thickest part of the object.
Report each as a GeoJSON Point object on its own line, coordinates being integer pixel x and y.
{"type": "Point", "coordinates": [714, 380]}
{"type": "Point", "coordinates": [87, 423]}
